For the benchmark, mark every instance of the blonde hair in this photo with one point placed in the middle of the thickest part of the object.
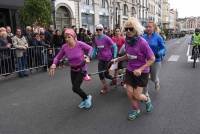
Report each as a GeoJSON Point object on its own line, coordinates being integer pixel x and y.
{"type": "Point", "coordinates": [133, 22]}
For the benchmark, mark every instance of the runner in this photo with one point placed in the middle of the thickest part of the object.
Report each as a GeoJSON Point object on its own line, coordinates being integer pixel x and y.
{"type": "Point", "coordinates": [119, 40]}
{"type": "Point", "coordinates": [103, 48]}
{"type": "Point", "coordinates": [157, 45]}
{"type": "Point", "coordinates": [140, 57]}
{"type": "Point", "coordinates": [74, 51]}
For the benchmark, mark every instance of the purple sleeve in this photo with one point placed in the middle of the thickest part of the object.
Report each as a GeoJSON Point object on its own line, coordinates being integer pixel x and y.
{"type": "Point", "coordinates": [146, 50]}
{"type": "Point", "coordinates": [86, 48]}
{"type": "Point", "coordinates": [109, 41]}
{"type": "Point", "coordinates": [59, 56]}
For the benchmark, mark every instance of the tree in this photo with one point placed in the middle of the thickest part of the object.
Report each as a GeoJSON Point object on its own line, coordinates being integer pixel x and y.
{"type": "Point", "coordinates": [36, 12]}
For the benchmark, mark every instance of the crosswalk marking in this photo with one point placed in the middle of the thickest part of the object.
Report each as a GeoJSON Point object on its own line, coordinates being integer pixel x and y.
{"type": "Point", "coordinates": [174, 58]}
{"type": "Point", "coordinates": [191, 60]}
{"type": "Point", "coordinates": [188, 50]}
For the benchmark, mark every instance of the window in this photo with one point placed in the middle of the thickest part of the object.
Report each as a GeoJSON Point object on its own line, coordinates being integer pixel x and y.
{"type": "Point", "coordinates": [133, 12]}
{"type": "Point", "coordinates": [87, 2]}
{"type": "Point", "coordinates": [104, 4]}
{"type": "Point", "coordinates": [125, 10]}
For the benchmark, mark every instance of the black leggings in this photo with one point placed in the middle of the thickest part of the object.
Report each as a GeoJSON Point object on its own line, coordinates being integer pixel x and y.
{"type": "Point", "coordinates": [193, 49]}
{"type": "Point", "coordinates": [77, 79]}
{"type": "Point", "coordinates": [103, 65]}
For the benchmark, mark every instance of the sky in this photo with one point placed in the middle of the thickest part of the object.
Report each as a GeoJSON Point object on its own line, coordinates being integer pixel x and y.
{"type": "Point", "coordinates": [186, 8]}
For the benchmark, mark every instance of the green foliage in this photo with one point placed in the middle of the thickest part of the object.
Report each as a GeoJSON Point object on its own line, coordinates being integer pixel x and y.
{"type": "Point", "coordinates": [36, 12]}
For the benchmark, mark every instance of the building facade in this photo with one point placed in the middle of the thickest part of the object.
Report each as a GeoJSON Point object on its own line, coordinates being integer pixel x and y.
{"type": "Point", "coordinates": [188, 24]}
{"type": "Point", "coordinates": [158, 12]}
{"type": "Point", "coordinates": [9, 14]}
{"type": "Point", "coordinates": [173, 16]}
{"type": "Point", "coordinates": [165, 14]}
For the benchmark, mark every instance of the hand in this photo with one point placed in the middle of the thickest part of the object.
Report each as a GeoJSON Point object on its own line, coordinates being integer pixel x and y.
{"type": "Point", "coordinates": [50, 51]}
{"type": "Point", "coordinates": [52, 70]}
{"type": "Point", "coordinates": [24, 47]}
{"type": "Point", "coordinates": [114, 61]}
{"type": "Point", "coordinates": [87, 59]}
{"type": "Point", "coordinates": [8, 45]}
{"type": "Point", "coordinates": [137, 72]}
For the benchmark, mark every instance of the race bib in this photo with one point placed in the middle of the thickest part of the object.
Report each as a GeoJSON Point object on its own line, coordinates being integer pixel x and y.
{"type": "Point", "coordinates": [131, 57]}
{"type": "Point", "coordinates": [100, 46]}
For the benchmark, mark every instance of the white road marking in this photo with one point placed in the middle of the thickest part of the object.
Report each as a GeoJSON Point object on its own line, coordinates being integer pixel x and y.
{"type": "Point", "coordinates": [191, 60]}
{"type": "Point", "coordinates": [174, 58]}
{"type": "Point", "coordinates": [188, 50]}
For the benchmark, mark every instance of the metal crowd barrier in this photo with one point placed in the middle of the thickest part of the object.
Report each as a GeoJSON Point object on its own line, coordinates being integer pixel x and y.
{"type": "Point", "coordinates": [33, 57]}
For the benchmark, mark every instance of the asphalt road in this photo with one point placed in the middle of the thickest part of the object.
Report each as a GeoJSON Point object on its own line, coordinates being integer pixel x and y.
{"type": "Point", "coordinates": [39, 104]}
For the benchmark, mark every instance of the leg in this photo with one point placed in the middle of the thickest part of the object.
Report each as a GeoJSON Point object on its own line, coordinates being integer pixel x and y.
{"type": "Point", "coordinates": [19, 66]}
{"type": "Point", "coordinates": [101, 67]}
{"type": "Point", "coordinates": [141, 97]}
{"type": "Point", "coordinates": [135, 112]}
{"type": "Point", "coordinates": [77, 79]}
{"type": "Point", "coordinates": [155, 69]}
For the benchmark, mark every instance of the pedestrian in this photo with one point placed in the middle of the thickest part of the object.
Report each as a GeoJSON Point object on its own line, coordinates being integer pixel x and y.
{"type": "Point", "coordinates": [157, 45]}
{"type": "Point", "coordinates": [74, 51]}
{"type": "Point", "coordinates": [103, 46]}
{"type": "Point", "coordinates": [140, 57]}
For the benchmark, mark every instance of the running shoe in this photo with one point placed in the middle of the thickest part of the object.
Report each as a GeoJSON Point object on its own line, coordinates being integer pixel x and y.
{"type": "Point", "coordinates": [88, 102]}
{"type": "Point", "coordinates": [82, 104]}
{"type": "Point", "coordinates": [87, 78]}
{"type": "Point", "coordinates": [132, 115]}
{"type": "Point", "coordinates": [149, 106]}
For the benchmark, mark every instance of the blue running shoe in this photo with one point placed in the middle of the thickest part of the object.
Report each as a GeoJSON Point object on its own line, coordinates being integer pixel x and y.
{"type": "Point", "coordinates": [82, 104]}
{"type": "Point", "coordinates": [133, 114]}
{"type": "Point", "coordinates": [149, 106]}
{"type": "Point", "coordinates": [88, 102]}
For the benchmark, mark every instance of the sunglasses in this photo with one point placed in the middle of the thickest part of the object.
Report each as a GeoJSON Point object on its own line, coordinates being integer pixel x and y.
{"type": "Point", "coordinates": [129, 29]}
{"type": "Point", "coordinates": [99, 29]}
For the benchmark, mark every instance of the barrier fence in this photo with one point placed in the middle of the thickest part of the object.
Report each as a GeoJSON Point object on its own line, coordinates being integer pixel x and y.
{"type": "Point", "coordinates": [14, 60]}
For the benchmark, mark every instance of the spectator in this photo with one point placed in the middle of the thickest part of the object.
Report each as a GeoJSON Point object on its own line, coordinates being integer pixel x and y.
{"type": "Point", "coordinates": [21, 45]}
{"type": "Point", "coordinates": [57, 40]}
{"type": "Point", "coordinates": [6, 55]}
{"type": "Point", "coordinates": [29, 35]}
{"type": "Point", "coordinates": [9, 33]}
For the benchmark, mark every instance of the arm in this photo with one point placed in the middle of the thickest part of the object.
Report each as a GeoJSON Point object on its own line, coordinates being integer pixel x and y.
{"type": "Point", "coordinates": [114, 46]}
{"type": "Point", "coordinates": [149, 55]}
{"type": "Point", "coordinates": [122, 50]}
{"type": "Point", "coordinates": [58, 56]}
{"type": "Point", "coordinates": [149, 63]}
{"type": "Point", "coordinates": [87, 48]}
{"type": "Point", "coordinates": [25, 42]}
{"type": "Point", "coordinates": [162, 48]}
{"type": "Point", "coordinates": [94, 53]}
{"type": "Point", "coordinates": [122, 58]}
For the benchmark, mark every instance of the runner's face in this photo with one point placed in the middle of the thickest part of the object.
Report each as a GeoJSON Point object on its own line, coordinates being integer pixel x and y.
{"type": "Point", "coordinates": [130, 31]}
{"type": "Point", "coordinates": [117, 32]}
{"type": "Point", "coordinates": [69, 39]}
{"type": "Point", "coordinates": [99, 31]}
{"type": "Point", "coordinates": [150, 28]}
